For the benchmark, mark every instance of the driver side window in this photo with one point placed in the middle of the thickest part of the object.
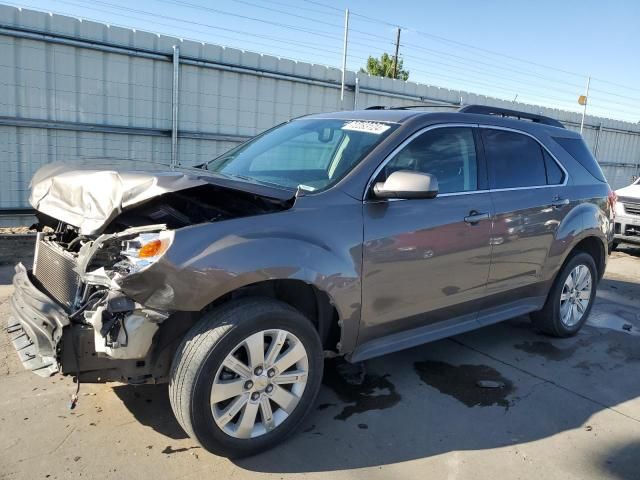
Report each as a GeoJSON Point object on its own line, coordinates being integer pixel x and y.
{"type": "Point", "coordinates": [448, 153]}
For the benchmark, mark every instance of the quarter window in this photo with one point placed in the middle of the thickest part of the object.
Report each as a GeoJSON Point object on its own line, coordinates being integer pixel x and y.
{"type": "Point", "coordinates": [517, 160]}
{"type": "Point", "coordinates": [447, 153]}
{"type": "Point", "coordinates": [555, 176]}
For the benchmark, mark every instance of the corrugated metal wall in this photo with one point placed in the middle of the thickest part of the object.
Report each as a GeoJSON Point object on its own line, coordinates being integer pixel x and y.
{"type": "Point", "coordinates": [73, 95]}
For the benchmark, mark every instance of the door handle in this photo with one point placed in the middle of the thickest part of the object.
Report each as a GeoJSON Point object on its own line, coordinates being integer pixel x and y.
{"type": "Point", "coordinates": [474, 217]}
{"type": "Point", "coordinates": [559, 203]}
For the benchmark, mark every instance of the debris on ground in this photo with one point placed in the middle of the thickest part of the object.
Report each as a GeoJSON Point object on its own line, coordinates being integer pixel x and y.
{"type": "Point", "coordinates": [489, 384]}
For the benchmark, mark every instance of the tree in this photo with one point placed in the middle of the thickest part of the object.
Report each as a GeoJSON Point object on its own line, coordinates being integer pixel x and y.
{"type": "Point", "coordinates": [383, 67]}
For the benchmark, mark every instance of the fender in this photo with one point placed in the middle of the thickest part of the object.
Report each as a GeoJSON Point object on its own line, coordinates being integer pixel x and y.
{"type": "Point", "coordinates": [208, 261]}
{"type": "Point", "coordinates": [583, 221]}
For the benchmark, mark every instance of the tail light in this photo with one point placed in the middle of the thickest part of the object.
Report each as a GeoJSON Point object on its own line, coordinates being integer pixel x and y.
{"type": "Point", "coordinates": [613, 199]}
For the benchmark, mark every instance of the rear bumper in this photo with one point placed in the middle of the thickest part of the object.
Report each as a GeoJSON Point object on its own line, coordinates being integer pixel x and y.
{"type": "Point", "coordinates": [35, 325]}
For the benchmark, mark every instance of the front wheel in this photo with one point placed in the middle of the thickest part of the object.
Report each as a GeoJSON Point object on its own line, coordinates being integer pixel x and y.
{"type": "Point", "coordinates": [246, 376]}
{"type": "Point", "coordinates": [570, 299]}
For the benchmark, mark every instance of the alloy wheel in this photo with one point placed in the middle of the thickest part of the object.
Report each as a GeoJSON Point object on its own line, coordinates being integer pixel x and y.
{"type": "Point", "coordinates": [576, 295]}
{"type": "Point", "coordinates": [259, 384]}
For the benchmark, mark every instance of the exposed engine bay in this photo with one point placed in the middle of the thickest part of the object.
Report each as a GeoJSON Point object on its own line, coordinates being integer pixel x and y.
{"type": "Point", "coordinates": [81, 272]}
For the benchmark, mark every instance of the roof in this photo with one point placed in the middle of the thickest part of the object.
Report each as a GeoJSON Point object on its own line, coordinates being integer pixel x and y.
{"type": "Point", "coordinates": [395, 116]}
{"type": "Point", "coordinates": [400, 116]}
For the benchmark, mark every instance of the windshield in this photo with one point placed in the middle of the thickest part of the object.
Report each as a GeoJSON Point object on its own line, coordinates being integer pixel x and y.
{"type": "Point", "coordinates": [312, 154]}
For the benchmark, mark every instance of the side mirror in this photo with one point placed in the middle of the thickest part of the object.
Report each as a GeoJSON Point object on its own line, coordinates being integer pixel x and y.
{"type": "Point", "coordinates": [407, 184]}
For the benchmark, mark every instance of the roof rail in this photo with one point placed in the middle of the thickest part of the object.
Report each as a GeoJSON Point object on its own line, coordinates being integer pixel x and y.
{"type": "Point", "coordinates": [505, 112]}
{"type": "Point", "coordinates": [408, 107]}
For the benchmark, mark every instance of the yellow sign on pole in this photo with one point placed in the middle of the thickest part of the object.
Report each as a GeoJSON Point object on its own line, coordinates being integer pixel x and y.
{"type": "Point", "coordinates": [582, 99]}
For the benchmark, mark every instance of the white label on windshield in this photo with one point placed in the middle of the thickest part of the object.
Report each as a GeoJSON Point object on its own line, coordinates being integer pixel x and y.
{"type": "Point", "coordinates": [366, 127]}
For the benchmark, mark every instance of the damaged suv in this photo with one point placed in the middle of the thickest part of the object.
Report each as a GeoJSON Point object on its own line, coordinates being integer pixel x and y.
{"type": "Point", "coordinates": [351, 233]}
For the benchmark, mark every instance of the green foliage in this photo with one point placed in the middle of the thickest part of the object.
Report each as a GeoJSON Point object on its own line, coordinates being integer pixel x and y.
{"type": "Point", "coordinates": [383, 67]}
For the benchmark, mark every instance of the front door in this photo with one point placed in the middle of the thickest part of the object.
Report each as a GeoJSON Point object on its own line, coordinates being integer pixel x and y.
{"type": "Point", "coordinates": [427, 260]}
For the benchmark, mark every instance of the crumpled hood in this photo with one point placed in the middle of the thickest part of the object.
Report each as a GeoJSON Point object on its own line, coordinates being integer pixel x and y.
{"type": "Point", "coordinates": [90, 198]}
{"type": "Point", "coordinates": [630, 191]}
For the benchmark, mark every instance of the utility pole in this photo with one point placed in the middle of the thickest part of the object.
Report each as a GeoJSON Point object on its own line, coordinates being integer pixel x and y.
{"type": "Point", "coordinates": [584, 103]}
{"type": "Point", "coordinates": [395, 57]}
{"type": "Point", "coordinates": [344, 52]}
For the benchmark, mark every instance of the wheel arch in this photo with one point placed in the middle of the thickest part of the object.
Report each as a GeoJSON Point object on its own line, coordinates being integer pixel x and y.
{"type": "Point", "coordinates": [315, 304]}
{"type": "Point", "coordinates": [595, 247]}
{"type": "Point", "coordinates": [582, 229]}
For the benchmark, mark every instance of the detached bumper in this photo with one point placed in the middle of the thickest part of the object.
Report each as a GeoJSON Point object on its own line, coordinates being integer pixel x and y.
{"type": "Point", "coordinates": [35, 325]}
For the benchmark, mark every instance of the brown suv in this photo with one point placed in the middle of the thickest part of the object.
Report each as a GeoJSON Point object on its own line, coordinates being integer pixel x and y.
{"type": "Point", "coordinates": [350, 233]}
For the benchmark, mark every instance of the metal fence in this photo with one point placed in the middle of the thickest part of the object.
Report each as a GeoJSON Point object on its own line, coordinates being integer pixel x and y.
{"type": "Point", "coordinates": [74, 90]}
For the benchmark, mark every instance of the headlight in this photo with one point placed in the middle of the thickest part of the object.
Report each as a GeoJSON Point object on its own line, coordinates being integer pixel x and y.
{"type": "Point", "coordinates": [147, 248]}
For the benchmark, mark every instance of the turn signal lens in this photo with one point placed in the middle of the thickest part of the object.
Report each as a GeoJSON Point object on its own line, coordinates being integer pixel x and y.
{"type": "Point", "coordinates": [150, 249]}
{"type": "Point", "coordinates": [146, 248]}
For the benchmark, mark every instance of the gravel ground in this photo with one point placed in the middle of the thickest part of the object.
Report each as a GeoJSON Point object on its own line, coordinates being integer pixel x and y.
{"type": "Point", "coordinates": [16, 230]}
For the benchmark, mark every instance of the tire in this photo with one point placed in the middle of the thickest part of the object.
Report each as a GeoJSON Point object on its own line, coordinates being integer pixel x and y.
{"type": "Point", "coordinates": [199, 380]}
{"type": "Point", "coordinates": [615, 245]}
{"type": "Point", "coordinates": [550, 319]}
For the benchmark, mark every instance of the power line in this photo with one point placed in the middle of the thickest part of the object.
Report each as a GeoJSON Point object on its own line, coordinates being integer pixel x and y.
{"type": "Point", "coordinates": [319, 33]}
{"type": "Point", "coordinates": [323, 5]}
{"type": "Point", "coordinates": [242, 16]}
{"type": "Point", "coordinates": [497, 86]}
{"type": "Point", "coordinates": [314, 20]}
{"type": "Point", "coordinates": [340, 12]}
{"type": "Point", "coordinates": [154, 22]}
{"type": "Point", "coordinates": [455, 42]}
{"type": "Point", "coordinates": [484, 72]}
{"type": "Point", "coordinates": [466, 64]}
{"type": "Point", "coordinates": [476, 48]}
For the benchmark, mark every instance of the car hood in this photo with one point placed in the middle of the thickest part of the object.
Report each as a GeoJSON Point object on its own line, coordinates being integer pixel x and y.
{"type": "Point", "coordinates": [90, 198]}
{"type": "Point", "coordinates": [630, 191]}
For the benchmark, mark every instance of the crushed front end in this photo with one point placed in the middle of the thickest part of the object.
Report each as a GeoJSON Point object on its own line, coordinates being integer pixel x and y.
{"type": "Point", "coordinates": [100, 231]}
{"type": "Point", "coordinates": [69, 315]}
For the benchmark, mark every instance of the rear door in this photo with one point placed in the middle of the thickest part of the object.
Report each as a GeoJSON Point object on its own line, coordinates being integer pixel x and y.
{"type": "Point", "coordinates": [528, 192]}
{"type": "Point", "coordinates": [427, 260]}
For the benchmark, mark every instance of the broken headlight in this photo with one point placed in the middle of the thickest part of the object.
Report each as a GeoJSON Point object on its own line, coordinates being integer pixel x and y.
{"type": "Point", "coordinates": [146, 248]}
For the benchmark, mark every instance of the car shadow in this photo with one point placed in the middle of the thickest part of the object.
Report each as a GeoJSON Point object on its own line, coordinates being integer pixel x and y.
{"type": "Point", "coordinates": [629, 248]}
{"type": "Point", "coordinates": [499, 386]}
{"type": "Point", "coordinates": [620, 462]}
{"type": "Point", "coordinates": [150, 405]}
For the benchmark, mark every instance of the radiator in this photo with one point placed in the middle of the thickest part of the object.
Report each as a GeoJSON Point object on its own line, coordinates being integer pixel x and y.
{"type": "Point", "coordinates": [53, 268]}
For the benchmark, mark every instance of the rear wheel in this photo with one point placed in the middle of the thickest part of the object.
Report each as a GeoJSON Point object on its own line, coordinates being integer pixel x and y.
{"type": "Point", "coordinates": [246, 376]}
{"type": "Point", "coordinates": [570, 299]}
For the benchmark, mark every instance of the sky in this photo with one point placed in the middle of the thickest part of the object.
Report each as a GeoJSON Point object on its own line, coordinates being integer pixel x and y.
{"type": "Point", "coordinates": [539, 52]}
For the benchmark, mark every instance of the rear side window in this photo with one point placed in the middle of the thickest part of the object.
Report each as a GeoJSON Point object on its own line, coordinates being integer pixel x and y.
{"type": "Point", "coordinates": [578, 150]}
{"type": "Point", "coordinates": [515, 160]}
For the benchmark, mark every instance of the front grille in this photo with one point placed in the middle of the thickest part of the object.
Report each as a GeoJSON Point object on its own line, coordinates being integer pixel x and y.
{"type": "Point", "coordinates": [632, 208]}
{"type": "Point", "coordinates": [53, 268]}
{"type": "Point", "coordinates": [632, 231]}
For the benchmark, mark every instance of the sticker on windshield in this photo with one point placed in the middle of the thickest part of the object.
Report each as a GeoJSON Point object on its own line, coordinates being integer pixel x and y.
{"type": "Point", "coordinates": [366, 127]}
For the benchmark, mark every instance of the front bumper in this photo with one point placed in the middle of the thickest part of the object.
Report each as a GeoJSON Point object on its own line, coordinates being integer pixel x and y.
{"type": "Point", "coordinates": [35, 325]}
{"type": "Point", "coordinates": [627, 228]}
